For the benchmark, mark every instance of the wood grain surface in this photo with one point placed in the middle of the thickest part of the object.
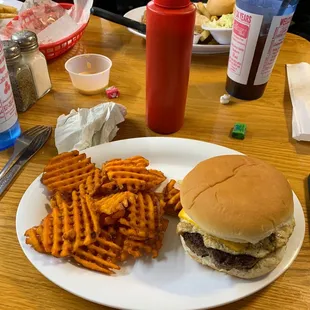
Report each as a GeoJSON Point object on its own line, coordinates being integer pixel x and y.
{"type": "Point", "coordinates": [269, 137]}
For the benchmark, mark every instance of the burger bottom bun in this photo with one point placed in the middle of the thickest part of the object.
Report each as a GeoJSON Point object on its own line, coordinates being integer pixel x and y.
{"type": "Point", "coordinates": [263, 266]}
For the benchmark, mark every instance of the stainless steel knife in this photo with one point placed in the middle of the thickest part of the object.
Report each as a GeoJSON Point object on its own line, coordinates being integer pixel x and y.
{"type": "Point", "coordinates": [32, 149]}
{"type": "Point", "coordinates": [119, 19]}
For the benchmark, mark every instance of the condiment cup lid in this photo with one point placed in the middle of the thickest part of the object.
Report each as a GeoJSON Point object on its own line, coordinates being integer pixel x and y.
{"type": "Point", "coordinates": [172, 4]}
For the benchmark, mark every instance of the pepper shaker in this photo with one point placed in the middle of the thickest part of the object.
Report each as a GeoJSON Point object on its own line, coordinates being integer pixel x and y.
{"type": "Point", "coordinates": [20, 76]}
{"type": "Point", "coordinates": [28, 43]}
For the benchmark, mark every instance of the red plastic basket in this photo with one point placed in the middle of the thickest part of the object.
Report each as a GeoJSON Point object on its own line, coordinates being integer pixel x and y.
{"type": "Point", "coordinates": [55, 49]}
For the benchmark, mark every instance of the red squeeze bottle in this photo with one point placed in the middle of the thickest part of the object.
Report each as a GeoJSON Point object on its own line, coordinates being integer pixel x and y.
{"type": "Point", "coordinates": [169, 32]}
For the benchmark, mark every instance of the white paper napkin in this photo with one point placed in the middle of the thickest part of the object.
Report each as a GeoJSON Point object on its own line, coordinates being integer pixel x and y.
{"type": "Point", "coordinates": [299, 84]}
{"type": "Point", "coordinates": [63, 27]}
{"type": "Point", "coordinates": [88, 127]}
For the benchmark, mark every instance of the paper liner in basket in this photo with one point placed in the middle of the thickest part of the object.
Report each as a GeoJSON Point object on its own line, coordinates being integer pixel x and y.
{"type": "Point", "coordinates": [49, 20]}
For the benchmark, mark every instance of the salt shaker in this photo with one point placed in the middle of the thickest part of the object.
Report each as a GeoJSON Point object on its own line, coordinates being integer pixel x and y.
{"type": "Point", "coordinates": [20, 76]}
{"type": "Point", "coordinates": [28, 43]}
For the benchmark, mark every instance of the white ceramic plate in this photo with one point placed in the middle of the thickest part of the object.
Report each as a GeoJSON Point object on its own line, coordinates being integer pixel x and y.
{"type": "Point", "coordinates": [173, 281]}
{"type": "Point", "coordinates": [137, 13]}
{"type": "Point", "coordinates": [15, 3]}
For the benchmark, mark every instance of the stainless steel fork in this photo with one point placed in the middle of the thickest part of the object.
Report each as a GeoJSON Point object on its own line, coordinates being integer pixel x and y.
{"type": "Point", "coordinates": [33, 148]}
{"type": "Point", "coordinates": [21, 145]}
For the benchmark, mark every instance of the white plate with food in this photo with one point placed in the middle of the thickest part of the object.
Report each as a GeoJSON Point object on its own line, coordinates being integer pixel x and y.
{"type": "Point", "coordinates": [173, 280]}
{"type": "Point", "coordinates": [209, 46]}
{"type": "Point", "coordinates": [8, 10]}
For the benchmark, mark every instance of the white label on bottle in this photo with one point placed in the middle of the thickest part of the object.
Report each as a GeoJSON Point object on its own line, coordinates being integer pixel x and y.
{"type": "Point", "coordinates": [8, 114]}
{"type": "Point", "coordinates": [276, 34]}
{"type": "Point", "coordinates": [243, 43]}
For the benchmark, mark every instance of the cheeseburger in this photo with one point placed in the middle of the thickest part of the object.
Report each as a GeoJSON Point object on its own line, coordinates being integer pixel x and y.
{"type": "Point", "coordinates": [237, 215]}
{"type": "Point", "coordinates": [220, 7]}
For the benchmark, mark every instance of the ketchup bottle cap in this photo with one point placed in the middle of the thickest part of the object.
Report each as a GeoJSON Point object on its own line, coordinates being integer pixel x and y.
{"type": "Point", "coordinates": [172, 4]}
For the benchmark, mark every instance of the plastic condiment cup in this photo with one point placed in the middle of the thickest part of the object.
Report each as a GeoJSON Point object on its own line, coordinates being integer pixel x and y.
{"type": "Point", "coordinates": [89, 73]}
{"type": "Point", "coordinates": [220, 35]}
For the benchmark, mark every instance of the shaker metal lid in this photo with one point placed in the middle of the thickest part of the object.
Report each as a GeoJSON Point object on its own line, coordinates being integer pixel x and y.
{"type": "Point", "coordinates": [26, 39]}
{"type": "Point", "coordinates": [11, 49]}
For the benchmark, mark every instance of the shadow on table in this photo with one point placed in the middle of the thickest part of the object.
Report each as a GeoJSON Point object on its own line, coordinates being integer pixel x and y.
{"type": "Point", "coordinates": [301, 147]}
{"type": "Point", "coordinates": [307, 198]}
{"type": "Point", "coordinates": [211, 59]}
{"type": "Point", "coordinates": [137, 129]}
{"type": "Point", "coordinates": [209, 92]}
{"type": "Point", "coordinates": [129, 129]}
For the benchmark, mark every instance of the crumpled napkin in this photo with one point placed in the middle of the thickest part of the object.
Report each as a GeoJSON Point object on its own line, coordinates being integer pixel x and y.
{"type": "Point", "coordinates": [84, 128]}
{"type": "Point", "coordinates": [299, 80]}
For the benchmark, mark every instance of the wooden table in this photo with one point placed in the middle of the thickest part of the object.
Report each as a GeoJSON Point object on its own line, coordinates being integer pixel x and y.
{"type": "Point", "coordinates": [268, 137]}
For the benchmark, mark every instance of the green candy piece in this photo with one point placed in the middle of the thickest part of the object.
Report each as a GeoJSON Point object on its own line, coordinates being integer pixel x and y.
{"type": "Point", "coordinates": [239, 131]}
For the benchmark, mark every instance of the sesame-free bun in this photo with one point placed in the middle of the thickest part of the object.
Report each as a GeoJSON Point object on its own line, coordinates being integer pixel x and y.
{"type": "Point", "coordinates": [220, 7]}
{"type": "Point", "coordinates": [261, 268]}
{"type": "Point", "coordinates": [237, 198]}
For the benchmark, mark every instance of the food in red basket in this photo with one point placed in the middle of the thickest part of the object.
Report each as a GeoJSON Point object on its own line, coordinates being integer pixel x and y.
{"type": "Point", "coordinates": [7, 11]}
{"type": "Point", "coordinates": [58, 26]}
{"type": "Point", "coordinates": [34, 16]}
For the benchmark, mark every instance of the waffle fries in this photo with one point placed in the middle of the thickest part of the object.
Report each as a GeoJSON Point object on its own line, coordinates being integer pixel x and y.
{"type": "Point", "coordinates": [67, 171]}
{"type": "Point", "coordinates": [94, 182]}
{"type": "Point", "coordinates": [66, 228]}
{"type": "Point", "coordinates": [102, 217]}
{"type": "Point", "coordinates": [7, 11]}
{"type": "Point", "coordinates": [171, 197]}
{"type": "Point", "coordinates": [100, 256]}
{"type": "Point", "coordinates": [113, 207]}
{"type": "Point", "coordinates": [143, 219]}
{"type": "Point", "coordinates": [138, 248]}
{"type": "Point", "coordinates": [131, 174]}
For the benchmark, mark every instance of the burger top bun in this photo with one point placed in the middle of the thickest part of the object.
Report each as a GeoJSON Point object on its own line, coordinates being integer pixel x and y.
{"type": "Point", "coordinates": [237, 198]}
{"type": "Point", "coordinates": [220, 7]}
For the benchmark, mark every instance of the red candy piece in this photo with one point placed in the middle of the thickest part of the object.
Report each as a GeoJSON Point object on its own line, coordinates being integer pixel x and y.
{"type": "Point", "coordinates": [112, 92]}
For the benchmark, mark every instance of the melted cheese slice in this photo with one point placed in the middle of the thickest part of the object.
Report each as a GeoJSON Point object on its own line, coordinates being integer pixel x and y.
{"type": "Point", "coordinates": [237, 247]}
{"type": "Point", "coordinates": [182, 215]}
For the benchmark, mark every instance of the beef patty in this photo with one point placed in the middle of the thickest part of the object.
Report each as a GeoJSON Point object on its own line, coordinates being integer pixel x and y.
{"type": "Point", "coordinates": [222, 260]}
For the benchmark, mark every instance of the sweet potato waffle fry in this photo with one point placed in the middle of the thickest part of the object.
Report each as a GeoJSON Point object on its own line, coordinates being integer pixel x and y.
{"type": "Point", "coordinates": [67, 171]}
{"type": "Point", "coordinates": [136, 248]}
{"type": "Point", "coordinates": [102, 217]}
{"type": "Point", "coordinates": [115, 202]}
{"type": "Point", "coordinates": [94, 182]}
{"type": "Point", "coordinates": [113, 207]}
{"type": "Point", "coordinates": [143, 218]}
{"type": "Point", "coordinates": [108, 187]}
{"type": "Point", "coordinates": [98, 185]}
{"type": "Point", "coordinates": [66, 228]}
{"type": "Point", "coordinates": [171, 196]}
{"type": "Point", "coordinates": [131, 174]}
{"type": "Point", "coordinates": [100, 256]}
{"type": "Point", "coordinates": [135, 161]}
{"type": "Point", "coordinates": [33, 238]}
